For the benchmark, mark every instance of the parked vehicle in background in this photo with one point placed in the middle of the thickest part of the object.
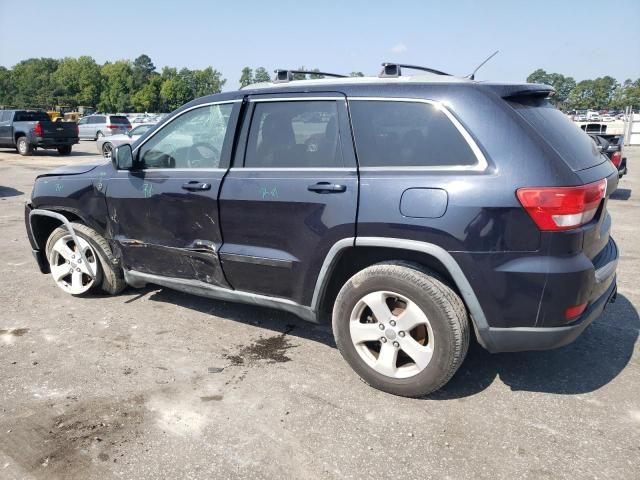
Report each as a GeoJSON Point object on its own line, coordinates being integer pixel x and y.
{"type": "Point", "coordinates": [611, 146]}
{"type": "Point", "coordinates": [388, 207]}
{"type": "Point", "coordinates": [593, 116]}
{"type": "Point", "coordinates": [26, 130]}
{"type": "Point", "coordinates": [580, 116]}
{"type": "Point", "coordinates": [95, 126]}
{"type": "Point", "coordinates": [106, 145]}
{"type": "Point", "coordinates": [607, 118]}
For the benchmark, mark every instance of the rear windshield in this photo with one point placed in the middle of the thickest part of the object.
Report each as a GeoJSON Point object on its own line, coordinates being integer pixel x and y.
{"type": "Point", "coordinates": [119, 119]}
{"type": "Point", "coordinates": [30, 117]}
{"type": "Point", "coordinates": [574, 146]}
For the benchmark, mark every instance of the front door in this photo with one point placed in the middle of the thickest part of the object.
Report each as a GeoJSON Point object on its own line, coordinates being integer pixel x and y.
{"type": "Point", "coordinates": [291, 194]}
{"type": "Point", "coordinates": [163, 214]}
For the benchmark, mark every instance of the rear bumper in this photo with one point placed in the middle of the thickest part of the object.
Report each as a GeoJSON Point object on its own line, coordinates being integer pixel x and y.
{"type": "Point", "coordinates": [600, 290]}
{"type": "Point", "coordinates": [543, 338]}
{"type": "Point", "coordinates": [44, 142]}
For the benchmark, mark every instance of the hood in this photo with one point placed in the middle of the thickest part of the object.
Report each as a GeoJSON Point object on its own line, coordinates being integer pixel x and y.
{"type": "Point", "coordinates": [73, 169]}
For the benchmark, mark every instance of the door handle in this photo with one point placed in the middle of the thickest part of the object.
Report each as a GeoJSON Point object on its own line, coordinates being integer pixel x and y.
{"type": "Point", "coordinates": [326, 187]}
{"type": "Point", "coordinates": [196, 186]}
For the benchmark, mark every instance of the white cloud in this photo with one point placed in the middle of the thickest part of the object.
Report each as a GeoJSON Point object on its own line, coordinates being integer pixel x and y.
{"type": "Point", "coordinates": [399, 48]}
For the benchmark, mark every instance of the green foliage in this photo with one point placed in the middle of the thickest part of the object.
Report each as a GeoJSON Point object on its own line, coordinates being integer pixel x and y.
{"type": "Point", "coordinates": [356, 74]}
{"type": "Point", "coordinates": [113, 87]}
{"type": "Point", "coordinates": [599, 93]}
{"type": "Point", "coordinates": [246, 78]}
{"type": "Point", "coordinates": [33, 83]}
{"type": "Point", "coordinates": [261, 75]}
{"type": "Point", "coordinates": [316, 75]}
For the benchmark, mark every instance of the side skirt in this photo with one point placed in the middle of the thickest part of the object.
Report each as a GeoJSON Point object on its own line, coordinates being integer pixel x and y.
{"type": "Point", "coordinates": [202, 289]}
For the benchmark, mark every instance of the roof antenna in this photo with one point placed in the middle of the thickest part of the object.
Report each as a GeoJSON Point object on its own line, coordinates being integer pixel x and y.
{"type": "Point", "coordinates": [472, 75]}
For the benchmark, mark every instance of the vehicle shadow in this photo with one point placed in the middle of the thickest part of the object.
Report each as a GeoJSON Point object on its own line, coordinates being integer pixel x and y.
{"type": "Point", "coordinates": [9, 192]}
{"type": "Point", "coordinates": [589, 363]}
{"type": "Point", "coordinates": [592, 361]}
{"type": "Point", "coordinates": [621, 194]}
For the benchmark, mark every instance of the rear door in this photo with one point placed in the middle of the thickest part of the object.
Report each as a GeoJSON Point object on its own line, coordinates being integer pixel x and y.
{"type": "Point", "coordinates": [291, 194]}
{"type": "Point", "coordinates": [83, 127]}
{"type": "Point", "coordinates": [164, 214]}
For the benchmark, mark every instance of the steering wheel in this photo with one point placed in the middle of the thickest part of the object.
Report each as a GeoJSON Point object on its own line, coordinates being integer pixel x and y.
{"type": "Point", "coordinates": [202, 154]}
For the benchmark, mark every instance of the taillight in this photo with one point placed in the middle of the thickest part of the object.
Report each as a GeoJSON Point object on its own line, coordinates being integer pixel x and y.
{"type": "Point", "coordinates": [37, 129]}
{"type": "Point", "coordinates": [562, 208]}
{"type": "Point", "coordinates": [575, 311]}
{"type": "Point", "coordinates": [616, 158]}
{"type": "Point", "coordinates": [113, 126]}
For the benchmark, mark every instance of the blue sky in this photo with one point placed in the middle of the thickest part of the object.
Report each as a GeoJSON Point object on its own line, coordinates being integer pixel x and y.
{"type": "Point", "coordinates": [568, 37]}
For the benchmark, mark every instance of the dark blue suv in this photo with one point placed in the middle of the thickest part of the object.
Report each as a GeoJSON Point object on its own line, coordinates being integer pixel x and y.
{"type": "Point", "coordinates": [405, 210]}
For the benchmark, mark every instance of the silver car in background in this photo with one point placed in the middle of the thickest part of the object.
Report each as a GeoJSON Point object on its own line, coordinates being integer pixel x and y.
{"type": "Point", "coordinates": [97, 126]}
{"type": "Point", "coordinates": [106, 145]}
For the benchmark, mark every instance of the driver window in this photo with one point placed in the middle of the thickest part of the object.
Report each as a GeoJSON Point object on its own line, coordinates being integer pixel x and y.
{"type": "Point", "coordinates": [192, 140]}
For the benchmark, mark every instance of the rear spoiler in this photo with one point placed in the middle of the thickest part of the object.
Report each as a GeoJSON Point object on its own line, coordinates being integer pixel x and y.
{"type": "Point", "coordinates": [511, 90]}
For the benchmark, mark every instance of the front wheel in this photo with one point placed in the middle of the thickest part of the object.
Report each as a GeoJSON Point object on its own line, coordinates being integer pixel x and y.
{"type": "Point", "coordinates": [401, 328]}
{"type": "Point", "coordinates": [99, 135]}
{"type": "Point", "coordinates": [107, 150]}
{"type": "Point", "coordinates": [71, 273]}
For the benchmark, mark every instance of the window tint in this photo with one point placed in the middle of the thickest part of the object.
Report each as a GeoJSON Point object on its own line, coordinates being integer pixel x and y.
{"type": "Point", "coordinates": [192, 140]}
{"type": "Point", "coordinates": [119, 119]}
{"type": "Point", "coordinates": [84, 120]}
{"type": "Point", "coordinates": [296, 134]}
{"type": "Point", "coordinates": [31, 117]}
{"type": "Point", "coordinates": [97, 119]}
{"type": "Point", "coordinates": [407, 134]}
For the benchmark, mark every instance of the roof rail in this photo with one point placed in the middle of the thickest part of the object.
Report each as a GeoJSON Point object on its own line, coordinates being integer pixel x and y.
{"type": "Point", "coordinates": [395, 69]}
{"type": "Point", "coordinates": [283, 76]}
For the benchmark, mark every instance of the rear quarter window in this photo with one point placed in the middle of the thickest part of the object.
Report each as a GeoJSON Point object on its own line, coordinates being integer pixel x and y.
{"type": "Point", "coordinates": [31, 117]}
{"type": "Point", "coordinates": [407, 134]}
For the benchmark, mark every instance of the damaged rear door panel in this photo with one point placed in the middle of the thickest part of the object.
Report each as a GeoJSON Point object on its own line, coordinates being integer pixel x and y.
{"type": "Point", "coordinates": [163, 214]}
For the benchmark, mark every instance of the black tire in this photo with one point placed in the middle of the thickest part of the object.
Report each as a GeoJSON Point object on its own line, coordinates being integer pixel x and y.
{"type": "Point", "coordinates": [23, 146]}
{"type": "Point", "coordinates": [99, 135]}
{"type": "Point", "coordinates": [107, 150]}
{"type": "Point", "coordinates": [443, 307]}
{"type": "Point", "coordinates": [66, 150]}
{"type": "Point", "coordinates": [110, 278]}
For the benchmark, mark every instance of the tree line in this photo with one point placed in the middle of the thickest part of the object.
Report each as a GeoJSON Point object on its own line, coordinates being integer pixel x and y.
{"type": "Point", "coordinates": [137, 85]}
{"type": "Point", "coordinates": [599, 93]}
{"type": "Point", "coordinates": [120, 86]}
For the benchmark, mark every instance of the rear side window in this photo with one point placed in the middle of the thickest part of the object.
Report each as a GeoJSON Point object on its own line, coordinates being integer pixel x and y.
{"type": "Point", "coordinates": [31, 117]}
{"type": "Point", "coordinates": [297, 134]}
{"type": "Point", "coordinates": [574, 146]}
{"type": "Point", "coordinates": [407, 134]}
{"type": "Point", "coordinates": [119, 120]}
{"type": "Point", "coordinates": [97, 119]}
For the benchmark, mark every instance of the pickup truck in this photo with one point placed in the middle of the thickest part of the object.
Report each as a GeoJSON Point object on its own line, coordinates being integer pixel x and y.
{"type": "Point", "coordinates": [26, 130]}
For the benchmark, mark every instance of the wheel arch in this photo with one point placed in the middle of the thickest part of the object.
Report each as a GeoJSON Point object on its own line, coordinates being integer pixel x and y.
{"type": "Point", "coordinates": [348, 257]}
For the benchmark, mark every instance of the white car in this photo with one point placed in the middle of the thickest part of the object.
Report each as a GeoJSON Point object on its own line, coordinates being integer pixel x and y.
{"type": "Point", "coordinates": [107, 144]}
{"type": "Point", "coordinates": [607, 118]}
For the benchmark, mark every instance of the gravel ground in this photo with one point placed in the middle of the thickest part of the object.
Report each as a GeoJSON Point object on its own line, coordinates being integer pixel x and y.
{"type": "Point", "coordinates": [158, 384]}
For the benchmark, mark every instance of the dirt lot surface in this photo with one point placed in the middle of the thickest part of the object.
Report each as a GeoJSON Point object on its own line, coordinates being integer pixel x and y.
{"type": "Point", "coordinates": [158, 384]}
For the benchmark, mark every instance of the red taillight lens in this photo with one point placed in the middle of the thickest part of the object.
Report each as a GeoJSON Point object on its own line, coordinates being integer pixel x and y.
{"type": "Point", "coordinates": [112, 126]}
{"type": "Point", "coordinates": [37, 129]}
{"type": "Point", "coordinates": [575, 311]}
{"type": "Point", "coordinates": [616, 158]}
{"type": "Point", "coordinates": [562, 208]}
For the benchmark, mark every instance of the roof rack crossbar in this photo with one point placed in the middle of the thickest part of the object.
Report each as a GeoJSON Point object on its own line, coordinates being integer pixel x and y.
{"type": "Point", "coordinates": [395, 69]}
{"type": "Point", "coordinates": [287, 75]}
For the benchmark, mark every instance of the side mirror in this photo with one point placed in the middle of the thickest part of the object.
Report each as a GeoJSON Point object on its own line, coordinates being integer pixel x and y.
{"type": "Point", "coordinates": [122, 157]}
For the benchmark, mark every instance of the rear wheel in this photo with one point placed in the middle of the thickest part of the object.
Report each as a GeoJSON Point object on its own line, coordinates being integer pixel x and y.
{"type": "Point", "coordinates": [23, 146]}
{"type": "Point", "coordinates": [66, 150]}
{"type": "Point", "coordinates": [69, 271]}
{"type": "Point", "coordinates": [99, 135]}
{"type": "Point", "coordinates": [401, 329]}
